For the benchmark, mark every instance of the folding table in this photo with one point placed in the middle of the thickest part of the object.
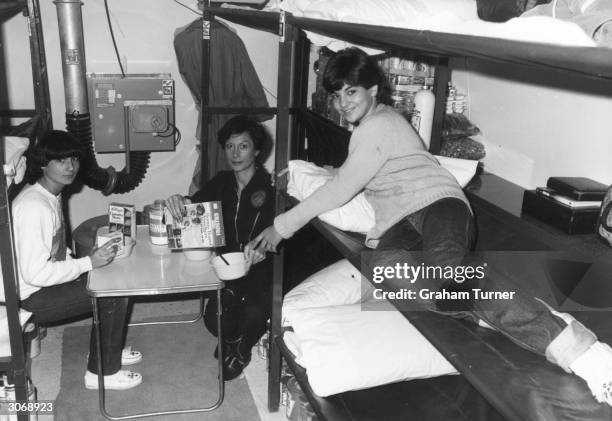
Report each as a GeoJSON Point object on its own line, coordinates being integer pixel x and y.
{"type": "Point", "coordinates": [153, 270]}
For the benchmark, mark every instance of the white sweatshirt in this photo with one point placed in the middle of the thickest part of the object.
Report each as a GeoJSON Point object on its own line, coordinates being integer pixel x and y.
{"type": "Point", "coordinates": [40, 242]}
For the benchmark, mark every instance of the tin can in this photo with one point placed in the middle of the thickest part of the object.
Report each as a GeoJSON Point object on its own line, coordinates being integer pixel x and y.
{"type": "Point", "coordinates": [157, 225]}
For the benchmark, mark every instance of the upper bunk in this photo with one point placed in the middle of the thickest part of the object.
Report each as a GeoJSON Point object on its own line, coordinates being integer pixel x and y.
{"type": "Point", "coordinates": [9, 8]}
{"type": "Point", "coordinates": [589, 62]}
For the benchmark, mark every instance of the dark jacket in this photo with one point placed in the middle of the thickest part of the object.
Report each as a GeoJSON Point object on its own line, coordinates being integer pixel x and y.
{"type": "Point", "coordinates": [233, 82]}
{"type": "Point", "coordinates": [243, 219]}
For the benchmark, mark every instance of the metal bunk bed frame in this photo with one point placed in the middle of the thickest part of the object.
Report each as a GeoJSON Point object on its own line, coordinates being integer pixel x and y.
{"type": "Point", "coordinates": [17, 365]}
{"type": "Point", "coordinates": [291, 111]}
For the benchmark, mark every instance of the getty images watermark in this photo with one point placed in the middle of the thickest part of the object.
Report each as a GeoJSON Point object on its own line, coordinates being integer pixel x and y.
{"type": "Point", "coordinates": [457, 274]}
{"type": "Point", "coordinates": [490, 279]}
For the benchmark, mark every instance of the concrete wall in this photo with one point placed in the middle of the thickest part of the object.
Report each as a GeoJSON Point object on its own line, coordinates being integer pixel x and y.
{"type": "Point", "coordinates": [538, 124]}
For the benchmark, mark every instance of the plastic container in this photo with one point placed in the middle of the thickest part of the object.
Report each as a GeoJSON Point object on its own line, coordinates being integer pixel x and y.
{"type": "Point", "coordinates": [157, 225]}
{"type": "Point", "coordinates": [422, 116]}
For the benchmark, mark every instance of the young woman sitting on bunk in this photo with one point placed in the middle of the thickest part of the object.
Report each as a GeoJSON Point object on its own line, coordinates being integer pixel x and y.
{"type": "Point", "coordinates": [424, 219]}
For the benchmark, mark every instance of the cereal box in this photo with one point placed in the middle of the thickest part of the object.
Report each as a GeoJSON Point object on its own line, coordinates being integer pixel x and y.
{"type": "Point", "coordinates": [104, 237]}
{"type": "Point", "coordinates": [122, 218]}
{"type": "Point", "coordinates": [200, 226]}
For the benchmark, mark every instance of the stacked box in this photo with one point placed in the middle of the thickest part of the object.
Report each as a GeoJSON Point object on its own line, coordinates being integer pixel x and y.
{"type": "Point", "coordinates": [122, 218]}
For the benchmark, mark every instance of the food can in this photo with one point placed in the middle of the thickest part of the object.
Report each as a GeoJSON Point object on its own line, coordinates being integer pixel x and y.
{"type": "Point", "coordinates": [157, 225]}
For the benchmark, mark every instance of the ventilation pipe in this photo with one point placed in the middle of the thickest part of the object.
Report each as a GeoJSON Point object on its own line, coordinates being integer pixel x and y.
{"type": "Point", "coordinates": [78, 122]}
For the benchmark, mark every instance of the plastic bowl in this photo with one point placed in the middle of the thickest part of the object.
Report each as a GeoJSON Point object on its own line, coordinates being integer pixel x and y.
{"type": "Point", "coordinates": [237, 267]}
{"type": "Point", "coordinates": [197, 254]}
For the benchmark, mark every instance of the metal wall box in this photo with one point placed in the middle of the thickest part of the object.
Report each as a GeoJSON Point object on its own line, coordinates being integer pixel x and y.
{"type": "Point", "coordinates": [134, 112]}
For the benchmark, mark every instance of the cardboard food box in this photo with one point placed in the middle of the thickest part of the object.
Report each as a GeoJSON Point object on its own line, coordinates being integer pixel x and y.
{"type": "Point", "coordinates": [122, 218]}
{"type": "Point", "coordinates": [104, 237]}
{"type": "Point", "coordinates": [200, 227]}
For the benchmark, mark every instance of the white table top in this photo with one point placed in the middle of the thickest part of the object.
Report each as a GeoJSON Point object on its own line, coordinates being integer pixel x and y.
{"type": "Point", "coordinates": [152, 270]}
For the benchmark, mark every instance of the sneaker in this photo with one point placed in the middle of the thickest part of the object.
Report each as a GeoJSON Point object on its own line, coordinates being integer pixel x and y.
{"type": "Point", "coordinates": [594, 366]}
{"type": "Point", "coordinates": [130, 356]}
{"type": "Point", "coordinates": [121, 380]}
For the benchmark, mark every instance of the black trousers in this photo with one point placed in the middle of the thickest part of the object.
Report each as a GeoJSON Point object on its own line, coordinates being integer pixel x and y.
{"type": "Point", "coordinates": [246, 306]}
{"type": "Point", "coordinates": [69, 300]}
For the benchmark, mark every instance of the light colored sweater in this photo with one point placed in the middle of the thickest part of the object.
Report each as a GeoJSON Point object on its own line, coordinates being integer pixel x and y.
{"type": "Point", "coordinates": [40, 242]}
{"type": "Point", "coordinates": [388, 160]}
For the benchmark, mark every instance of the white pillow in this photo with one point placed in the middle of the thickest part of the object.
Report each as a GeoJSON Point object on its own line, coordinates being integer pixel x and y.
{"type": "Point", "coordinates": [346, 348]}
{"type": "Point", "coordinates": [357, 215]}
{"type": "Point", "coordinates": [14, 165]}
{"type": "Point", "coordinates": [305, 177]}
{"type": "Point", "coordinates": [5, 344]}
{"type": "Point", "coordinates": [337, 284]}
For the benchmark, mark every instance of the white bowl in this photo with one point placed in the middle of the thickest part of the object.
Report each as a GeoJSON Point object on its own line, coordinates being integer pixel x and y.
{"type": "Point", "coordinates": [197, 254]}
{"type": "Point", "coordinates": [237, 267]}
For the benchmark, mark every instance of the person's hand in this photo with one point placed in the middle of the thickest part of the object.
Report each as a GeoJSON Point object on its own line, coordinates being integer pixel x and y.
{"type": "Point", "coordinates": [103, 255]}
{"type": "Point", "coordinates": [267, 240]}
{"type": "Point", "coordinates": [176, 205]}
{"type": "Point", "coordinates": [253, 256]}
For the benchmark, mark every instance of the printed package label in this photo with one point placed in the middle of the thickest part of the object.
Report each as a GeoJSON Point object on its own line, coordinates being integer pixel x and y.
{"type": "Point", "coordinates": [200, 227]}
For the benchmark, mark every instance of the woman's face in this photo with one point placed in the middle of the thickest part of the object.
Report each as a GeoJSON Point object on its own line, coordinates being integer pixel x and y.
{"type": "Point", "coordinates": [240, 152]}
{"type": "Point", "coordinates": [355, 102]}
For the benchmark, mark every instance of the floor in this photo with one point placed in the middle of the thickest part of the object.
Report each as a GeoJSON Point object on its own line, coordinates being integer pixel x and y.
{"type": "Point", "coordinates": [46, 368]}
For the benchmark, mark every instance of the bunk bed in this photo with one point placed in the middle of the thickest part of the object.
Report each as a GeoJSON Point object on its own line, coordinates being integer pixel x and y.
{"type": "Point", "coordinates": [13, 348]}
{"type": "Point", "coordinates": [14, 140]}
{"type": "Point", "coordinates": [516, 384]}
{"type": "Point", "coordinates": [38, 119]}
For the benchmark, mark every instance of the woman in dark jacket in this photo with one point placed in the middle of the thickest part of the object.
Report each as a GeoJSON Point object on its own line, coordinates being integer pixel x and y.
{"type": "Point", "coordinates": [247, 200]}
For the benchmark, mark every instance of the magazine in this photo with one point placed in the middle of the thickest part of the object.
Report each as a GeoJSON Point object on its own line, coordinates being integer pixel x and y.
{"type": "Point", "coordinates": [200, 227]}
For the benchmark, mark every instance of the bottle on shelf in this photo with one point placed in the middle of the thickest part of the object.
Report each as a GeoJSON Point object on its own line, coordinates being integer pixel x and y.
{"type": "Point", "coordinates": [422, 117]}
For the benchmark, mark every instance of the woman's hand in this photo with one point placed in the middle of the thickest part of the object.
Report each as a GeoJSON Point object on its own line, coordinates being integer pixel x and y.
{"type": "Point", "coordinates": [176, 205]}
{"type": "Point", "coordinates": [267, 240]}
{"type": "Point", "coordinates": [103, 255]}
{"type": "Point", "coordinates": [254, 256]}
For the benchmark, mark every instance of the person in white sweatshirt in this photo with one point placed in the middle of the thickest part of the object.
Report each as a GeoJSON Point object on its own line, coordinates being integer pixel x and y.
{"type": "Point", "coordinates": [50, 285]}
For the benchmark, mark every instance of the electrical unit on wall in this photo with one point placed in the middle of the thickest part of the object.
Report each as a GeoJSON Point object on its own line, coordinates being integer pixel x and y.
{"type": "Point", "coordinates": [132, 113]}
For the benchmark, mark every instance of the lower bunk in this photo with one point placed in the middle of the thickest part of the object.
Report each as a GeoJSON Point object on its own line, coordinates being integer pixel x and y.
{"type": "Point", "coordinates": [498, 379]}
{"type": "Point", "coordinates": [448, 398]}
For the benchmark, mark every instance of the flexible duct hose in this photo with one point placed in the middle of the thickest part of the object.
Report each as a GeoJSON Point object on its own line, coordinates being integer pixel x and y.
{"type": "Point", "coordinates": [105, 179]}
{"type": "Point", "coordinates": [78, 122]}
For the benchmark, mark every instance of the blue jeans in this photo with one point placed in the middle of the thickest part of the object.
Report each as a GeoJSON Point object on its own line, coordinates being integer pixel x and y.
{"type": "Point", "coordinates": [444, 234]}
{"type": "Point", "coordinates": [69, 300]}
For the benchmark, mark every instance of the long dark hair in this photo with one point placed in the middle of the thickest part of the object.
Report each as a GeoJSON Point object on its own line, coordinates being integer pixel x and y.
{"type": "Point", "coordinates": [354, 67]}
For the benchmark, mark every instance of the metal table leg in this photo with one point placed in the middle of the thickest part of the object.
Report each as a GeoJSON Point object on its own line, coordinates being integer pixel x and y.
{"type": "Point", "coordinates": [101, 391]}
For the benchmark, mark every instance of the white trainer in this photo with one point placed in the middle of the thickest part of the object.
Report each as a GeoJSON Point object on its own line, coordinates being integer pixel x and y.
{"type": "Point", "coordinates": [121, 380]}
{"type": "Point", "coordinates": [130, 356]}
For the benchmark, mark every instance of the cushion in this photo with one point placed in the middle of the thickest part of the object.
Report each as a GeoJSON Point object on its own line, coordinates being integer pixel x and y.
{"type": "Point", "coordinates": [305, 177]}
{"type": "Point", "coordinates": [5, 344]}
{"type": "Point", "coordinates": [14, 165]}
{"type": "Point", "coordinates": [357, 215]}
{"type": "Point", "coordinates": [337, 284]}
{"type": "Point", "coordinates": [346, 348]}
